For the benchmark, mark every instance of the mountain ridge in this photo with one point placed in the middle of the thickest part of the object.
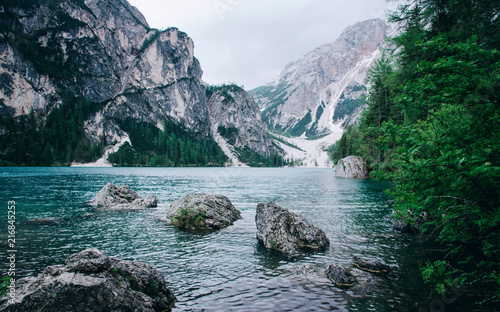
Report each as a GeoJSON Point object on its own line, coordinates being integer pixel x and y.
{"type": "Point", "coordinates": [88, 66]}
{"type": "Point", "coordinates": [316, 96]}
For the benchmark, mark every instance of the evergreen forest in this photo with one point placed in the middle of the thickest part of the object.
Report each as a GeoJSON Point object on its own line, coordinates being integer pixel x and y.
{"type": "Point", "coordinates": [432, 126]}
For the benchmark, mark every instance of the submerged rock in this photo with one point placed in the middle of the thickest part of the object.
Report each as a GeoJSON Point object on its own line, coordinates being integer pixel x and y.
{"type": "Point", "coordinates": [203, 212]}
{"type": "Point", "coordinates": [91, 281]}
{"type": "Point", "coordinates": [113, 197]}
{"type": "Point", "coordinates": [405, 227]}
{"type": "Point", "coordinates": [351, 167]}
{"type": "Point", "coordinates": [45, 221]}
{"type": "Point", "coordinates": [285, 231]}
{"type": "Point", "coordinates": [371, 266]}
{"type": "Point", "coordinates": [304, 269]}
{"type": "Point", "coordinates": [340, 275]}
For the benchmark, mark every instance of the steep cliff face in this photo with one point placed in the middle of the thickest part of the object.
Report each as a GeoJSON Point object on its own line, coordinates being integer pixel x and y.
{"type": "Point", "coordinates": [305, 98]}
{"type": "Point", "coordinates": [103, 51]}
{"type": "Point", "coordinates": [237, 123]}
{"type": "Point", "coordinates": [93, 66]}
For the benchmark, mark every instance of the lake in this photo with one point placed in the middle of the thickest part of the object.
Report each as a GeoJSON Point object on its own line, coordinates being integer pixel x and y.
{"type": "Point", "coordinates": [226, 270]}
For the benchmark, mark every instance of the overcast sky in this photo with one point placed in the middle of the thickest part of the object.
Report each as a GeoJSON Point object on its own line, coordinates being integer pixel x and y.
{"type": "Point", "coordinates": [250, 41]}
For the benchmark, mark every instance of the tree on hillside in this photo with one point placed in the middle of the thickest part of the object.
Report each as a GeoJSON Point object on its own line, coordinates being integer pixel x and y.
{"type": "Point", "coordinates": [433, 126]}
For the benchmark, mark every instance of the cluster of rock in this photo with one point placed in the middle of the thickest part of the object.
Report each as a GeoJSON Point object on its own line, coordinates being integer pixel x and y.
{"type": "Point", "coordinates": [112, 197]}
{"type": "Point", "coordinates": [277, 228]}
{"type": "Point", "coordinates": [92, 281]}
{"type": "Point", "coordinates": [203, 212]}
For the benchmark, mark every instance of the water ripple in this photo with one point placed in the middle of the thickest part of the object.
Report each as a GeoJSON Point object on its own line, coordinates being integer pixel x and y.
{"type": "Point", "coordinates": [227, 270]}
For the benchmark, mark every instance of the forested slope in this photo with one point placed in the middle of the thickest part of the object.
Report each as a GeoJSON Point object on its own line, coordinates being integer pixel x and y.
{"type": "Point", "coordinates": [433, 127]}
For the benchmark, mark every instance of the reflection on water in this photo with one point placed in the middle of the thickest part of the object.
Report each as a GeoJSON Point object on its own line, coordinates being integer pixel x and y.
{"type": "Point", "coordinates": [227, 270]}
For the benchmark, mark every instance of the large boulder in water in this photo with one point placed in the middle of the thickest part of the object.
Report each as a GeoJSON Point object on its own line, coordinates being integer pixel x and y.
{"type": "Point", "coordinates": [203, 212]}
{"type": "Point", "coordinates": [91, 281]}
{"type": "Point", "coordinates": [280, 229]}
{"type": "Point", "coordinates": [351, 167]}
{"type": "Point", "coordinates": [112, 197]}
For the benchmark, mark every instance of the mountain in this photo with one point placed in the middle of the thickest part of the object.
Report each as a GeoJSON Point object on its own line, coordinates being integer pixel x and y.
{"type": "Point", "coordinates": [78, 76]}
{"type": "Point", "coordinates": [237, 125]}
{"type": "Point", "coordinates": [317, 95]}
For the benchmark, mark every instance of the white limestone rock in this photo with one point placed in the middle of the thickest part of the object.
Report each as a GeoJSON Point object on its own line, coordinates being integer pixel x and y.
{"type": "Point", "coordinates": [351, 167]}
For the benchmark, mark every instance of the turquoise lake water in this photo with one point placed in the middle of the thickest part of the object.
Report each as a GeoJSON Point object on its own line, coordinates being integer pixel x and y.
{"type": "Point", "coordinates": [227, 270]}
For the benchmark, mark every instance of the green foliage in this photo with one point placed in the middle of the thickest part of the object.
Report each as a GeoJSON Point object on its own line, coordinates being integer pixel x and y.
{"type": "Point", "coordinates": [254, 159]}
{"type": "Point", "coordinates": [277, 96]}
{"type": "Point", "coordinates": [174, 146]}
{"type": "Point", "coordinates": [230, 134]}
{"type": "Point", "coordinates": [149, 40]}
{"type": "Point", "coordinates": [4, 284]}
{"type": "Point", "coordinates": [274, 137]}
{"type": "Point", "coordinates": [211, 89]}
{"type": "Point", "coordinates": [189, 218]}
{"type": "Point", "coordinates": [346, 107]}
{"type": "Point", "coordinates": [320, 111]}
{"type": "Point", "coordinates": [59, 141]}
{"type": "Point", "coordinates": [433, 127]}
{"type": "Point", "coordinates": [301, 126]}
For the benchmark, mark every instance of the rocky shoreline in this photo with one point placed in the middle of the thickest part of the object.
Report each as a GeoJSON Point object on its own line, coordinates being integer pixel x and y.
{"type": "Point", "coordinates": [92, 281]}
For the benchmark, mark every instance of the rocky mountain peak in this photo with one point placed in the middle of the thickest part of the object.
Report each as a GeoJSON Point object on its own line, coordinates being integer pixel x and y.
{"type": "Point", "coordinates": [95, 66]}
{"type": "Point", "coordinates": [316, 95]}
{"type": "Point", "coordinates": [313, 84]}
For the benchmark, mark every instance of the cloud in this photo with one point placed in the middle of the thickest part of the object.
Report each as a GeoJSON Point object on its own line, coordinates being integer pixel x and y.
{"type": "Point", "coordinates": [247, 41]}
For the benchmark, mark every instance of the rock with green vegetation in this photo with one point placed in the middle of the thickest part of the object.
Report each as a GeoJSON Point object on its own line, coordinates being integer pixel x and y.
{"type": "Point", "coordinates": [203, 212]}
{"type": "Point", "coordinates": [352, 167]}
{"type": "Point", "coordinates": [91, 281]}
{"type": "Point", "coordinates": [285, 231]}
{"type": "Point", "coordinates": [112, 197]}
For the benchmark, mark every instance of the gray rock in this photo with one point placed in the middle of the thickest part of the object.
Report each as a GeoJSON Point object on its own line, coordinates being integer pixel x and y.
{"type": "Point", "coordinates": [88, 261]}
{"type": "Point", "coordinates": [203, 212]}
{"type": "Point", "coordinates": [351, 167]}
{"type": "Point", "coordinates": [285, 231]}
{"type": "Point", "coordinates": [92, 281]}
{"type": "Point", "coordinates": [45, 221]}
{"type": "Point", "coordinates": [112, 197]}
{"type": "Point", "coordinates": [340, 275]}
{"type": "Point", "coordinates": [375, 266]}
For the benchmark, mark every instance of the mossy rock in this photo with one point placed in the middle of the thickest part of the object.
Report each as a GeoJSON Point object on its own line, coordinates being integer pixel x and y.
{"type": "Point", "coordinates": [203, 212]}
